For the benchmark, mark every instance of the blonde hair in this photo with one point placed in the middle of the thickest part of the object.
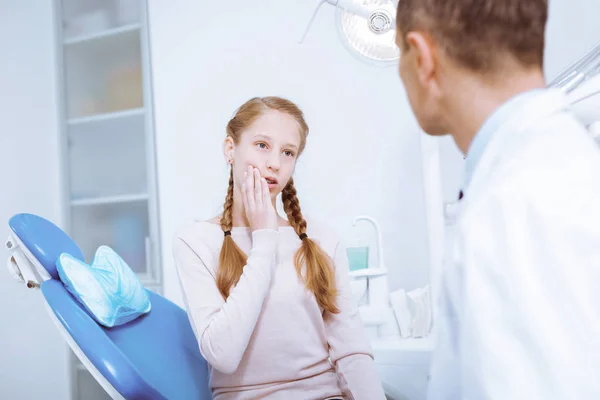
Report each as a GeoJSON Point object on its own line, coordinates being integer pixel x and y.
{"type": "Point", "coordinates": [319, 277]}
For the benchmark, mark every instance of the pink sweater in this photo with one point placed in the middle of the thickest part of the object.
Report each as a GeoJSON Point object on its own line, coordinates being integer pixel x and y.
{"type": "Point", "coordinates": [270, 339]}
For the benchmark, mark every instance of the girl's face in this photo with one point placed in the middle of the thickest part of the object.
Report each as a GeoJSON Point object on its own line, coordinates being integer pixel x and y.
{"type": "Point", "coordinates": [270, 144]}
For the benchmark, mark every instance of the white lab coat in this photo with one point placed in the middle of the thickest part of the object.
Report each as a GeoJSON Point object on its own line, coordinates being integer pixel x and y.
{"type": "Point", "coordinates": [520, 291]}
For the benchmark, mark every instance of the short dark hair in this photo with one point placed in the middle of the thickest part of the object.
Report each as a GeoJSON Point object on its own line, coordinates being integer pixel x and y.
{"type": "Point", "coordinates": [478, 33]}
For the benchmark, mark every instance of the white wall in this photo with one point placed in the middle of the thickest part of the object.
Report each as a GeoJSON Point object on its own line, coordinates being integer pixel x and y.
{"type": "Point", "coordinates": [362, 153]}
{"type": "Point", "coordinates": [34, 357]}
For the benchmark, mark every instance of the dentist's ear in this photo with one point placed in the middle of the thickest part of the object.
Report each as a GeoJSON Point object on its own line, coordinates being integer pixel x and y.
{"type": "Point", "coordinates": [426, 60]}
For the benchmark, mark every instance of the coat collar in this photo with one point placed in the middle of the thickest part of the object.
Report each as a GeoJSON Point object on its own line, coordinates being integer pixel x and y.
{"type": "Point", "coordinates": [532, 112]}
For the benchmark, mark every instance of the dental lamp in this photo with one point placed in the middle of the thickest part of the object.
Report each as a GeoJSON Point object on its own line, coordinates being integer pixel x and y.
{"type": "Point", "coordinates": [366, 27]}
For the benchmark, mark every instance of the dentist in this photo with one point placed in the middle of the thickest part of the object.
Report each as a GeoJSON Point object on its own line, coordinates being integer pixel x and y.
{"type": "Point", "coordinates": [520, 291]}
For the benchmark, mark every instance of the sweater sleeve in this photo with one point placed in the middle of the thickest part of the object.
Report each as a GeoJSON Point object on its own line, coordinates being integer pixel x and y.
{"type": "Point", "coordinates": [350, 350]}
{"type": "Point", "coordinates": [224, 327]}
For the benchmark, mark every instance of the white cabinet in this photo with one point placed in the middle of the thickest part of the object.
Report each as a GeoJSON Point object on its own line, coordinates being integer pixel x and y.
{"type": "Point", "coordinates": [403, 365]}
{"type": "Point", "coordinates": [108, 153]}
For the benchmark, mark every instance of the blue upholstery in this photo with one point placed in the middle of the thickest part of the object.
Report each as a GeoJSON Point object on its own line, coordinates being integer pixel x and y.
{"type": "Point", "coordinates": [155, 356]}
{"type": "Point", "coordinates": [44, 240]}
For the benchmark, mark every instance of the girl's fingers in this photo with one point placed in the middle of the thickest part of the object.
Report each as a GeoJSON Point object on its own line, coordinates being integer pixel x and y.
{"type": "Point", "coordinates": [257, 188]}
{"type": "Point", "coordinates": [245, 197]}
{"type": "Point", "coordinates": [266, 195]}
{"type": "Point", "coordinates": [250, 192]}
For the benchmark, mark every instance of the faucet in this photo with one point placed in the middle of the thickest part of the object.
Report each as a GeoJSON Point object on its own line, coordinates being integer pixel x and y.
{"type": "Point", "coordinates": [380, 258]}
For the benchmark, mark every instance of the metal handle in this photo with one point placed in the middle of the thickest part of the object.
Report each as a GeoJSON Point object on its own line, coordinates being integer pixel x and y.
{"type": "Point", "coordinates": [346, 5]}
{"type": "Point", "coordinates": [19, 266]}
{"type": "Point", "coordinates": [581, 70]}
{"type": "Point", "coordinates": [313, 15]}
{"type": "Point", "coordinates": [13, 269]}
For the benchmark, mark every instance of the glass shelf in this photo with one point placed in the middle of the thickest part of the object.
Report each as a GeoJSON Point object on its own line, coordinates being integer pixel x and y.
{"type": "Point", "coordinates": [106, 116]}
{"type": "Point", "coordinates": [86, 38]}
{"type": "Point", "coordinates": [109, 200]}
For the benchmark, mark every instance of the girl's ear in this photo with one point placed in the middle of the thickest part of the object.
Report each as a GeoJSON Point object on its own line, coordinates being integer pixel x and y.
{"type": "Point", "coordinates": [229, 150]}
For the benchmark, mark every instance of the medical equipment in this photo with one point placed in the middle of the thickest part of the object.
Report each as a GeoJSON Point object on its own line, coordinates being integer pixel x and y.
{"type": "Point", "coordinates": [367, 28]}
{"type": "Point", "coordinates": [579, 72]}
{"type": "Point", "coordinates": [374, 276]}
{"type": "Point", "coordinates": [581, 82]}
{"type": "Point", "coordinates": [377, 314]}
{"type": "Point", "coordinates": [380, 269]}
{"type": "Point", "coordinates": [155, 356]}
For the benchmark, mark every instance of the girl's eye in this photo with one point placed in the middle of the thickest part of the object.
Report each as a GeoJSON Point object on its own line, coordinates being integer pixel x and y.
{"type": "Point", "coordinates": [261, 145]}
{"type": "Point", "coordinates": [289, 153]}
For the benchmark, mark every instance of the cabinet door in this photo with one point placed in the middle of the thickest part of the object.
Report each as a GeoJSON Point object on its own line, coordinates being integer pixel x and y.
{"type": "Point", "coordinates": [108, 147]}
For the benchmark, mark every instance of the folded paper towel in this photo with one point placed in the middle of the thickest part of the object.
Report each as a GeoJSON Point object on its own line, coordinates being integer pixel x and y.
{"type": "Point", "coordinates": [412, 311]}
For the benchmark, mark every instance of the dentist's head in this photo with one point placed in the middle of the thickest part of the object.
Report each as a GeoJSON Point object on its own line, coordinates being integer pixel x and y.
{"type": "Point", "coordinates": [460, 58]}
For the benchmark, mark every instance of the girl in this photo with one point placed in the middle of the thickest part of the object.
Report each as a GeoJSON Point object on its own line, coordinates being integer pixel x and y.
{"type": "Point", "coordinates": [269, 298]}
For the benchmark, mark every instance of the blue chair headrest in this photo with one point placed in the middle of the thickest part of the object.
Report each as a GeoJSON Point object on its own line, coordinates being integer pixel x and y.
{"type": "Point", "coordinates": [44, 240]}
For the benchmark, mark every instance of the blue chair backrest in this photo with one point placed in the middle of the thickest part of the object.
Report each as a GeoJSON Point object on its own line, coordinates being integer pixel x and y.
{"type": "Point", "coordinates": [44, 240]}
{"type": "Point", "coordinates": [155, 356]}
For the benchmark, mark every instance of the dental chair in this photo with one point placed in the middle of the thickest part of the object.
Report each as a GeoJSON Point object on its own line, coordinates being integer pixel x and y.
{"type": "Point", "coordinates": [155, 356]}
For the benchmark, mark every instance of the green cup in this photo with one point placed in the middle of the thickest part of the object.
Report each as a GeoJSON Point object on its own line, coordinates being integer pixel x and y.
{"type": "Point", "coordinates": [358, 257]}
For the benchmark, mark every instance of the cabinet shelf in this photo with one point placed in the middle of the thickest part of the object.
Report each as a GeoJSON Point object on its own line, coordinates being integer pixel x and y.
{"type": "Point", "coordinates": [106, 116]}
{"type": "Point", "coordinates": [83, 39]}
{"type": "Point", "coordinates": [109, 200]}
